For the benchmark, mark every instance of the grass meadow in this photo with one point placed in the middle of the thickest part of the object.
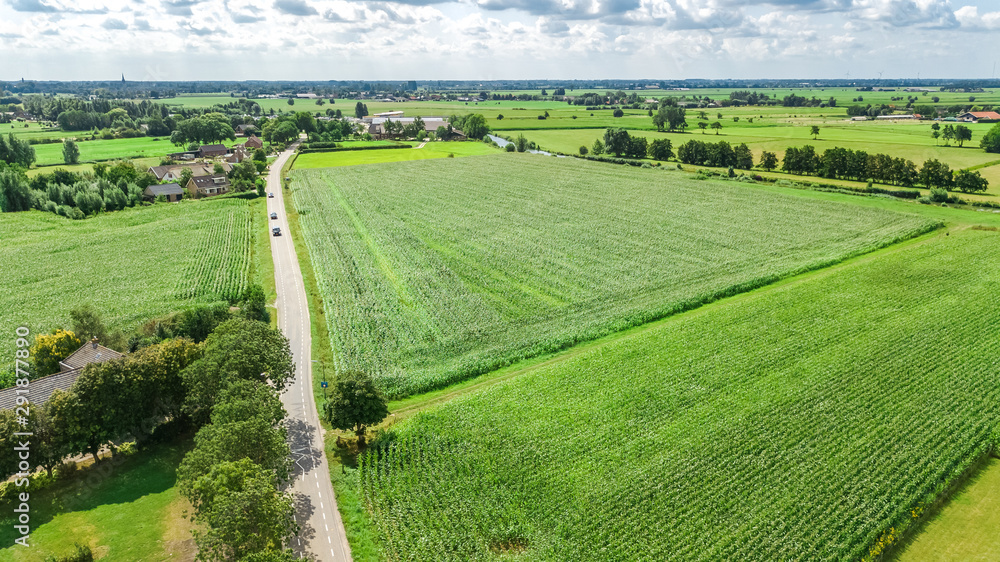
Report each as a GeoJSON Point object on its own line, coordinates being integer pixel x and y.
{"type": "Point", "coordinates": [810, 420]}
{"type": "Point", "coordinates": [428, 282]}
{"type": "Point", "coordinates": [431, 150]}
{"type": "Point", "coordinates": [124, 512]}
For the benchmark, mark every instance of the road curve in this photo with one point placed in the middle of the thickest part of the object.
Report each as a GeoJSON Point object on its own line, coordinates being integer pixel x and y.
{"type": "Point", "coordinates": [321, 532]}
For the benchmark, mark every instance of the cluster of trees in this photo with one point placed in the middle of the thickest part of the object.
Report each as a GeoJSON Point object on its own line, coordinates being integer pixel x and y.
{"type": "Point", "coordinates": [620, 143]}
{"type": "Point", "coordinates": [16, 151]}
{"type": "Point", "coordinates": [858, 165]}
{"type": "Point", "coordinates": [958, 133]}
{"type": "Point", "coordinates": [720, 154]}
{"type": "Point", "coordinates": [208, 129]}
{"type": "Point", "coordinates": [869, 110]}
{"type": "Point", "coordinates": [473, 125]}
{"type": "Point", "coordinates": [793, 100]}
{"type": "Point", "coordinates": [746, 97]}
{"type": "Point", "coordinates": [670, 117]}
{"type": "Point", "coordinates": [228, 386]}
{"type": "Point", "coordinates": [108, 188]}
{"type": "Point", "coordinates": [415, 128]}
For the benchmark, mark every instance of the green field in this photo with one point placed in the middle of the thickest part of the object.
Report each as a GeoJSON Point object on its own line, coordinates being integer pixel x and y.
{"type": "Point", "coordinates": [965, 530]}
{"type": "Point", "coordinates": [132, 265]}
{"type": "Point", "coordinates": [124, 511]}
{"type": "Point", "coordinates": [98, 150]}
{"type": "Point", "coordinates": [471, 264]}
{"type": "Point", "coordinates": [800, 422]}
{"type": "Point", "coordinates": [355, 157]}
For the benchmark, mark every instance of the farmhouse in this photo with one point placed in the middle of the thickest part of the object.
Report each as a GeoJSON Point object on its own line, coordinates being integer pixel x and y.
{"type": "Point", "coordinates": [376, 125]}
{"type": "Point", "coordinates": [173, 171]}
{"type": "Point", "coordinates": [979, 116]}
{"type": "Point", "coordinates": [244, 130]}
{"type": "Point", "coordinates": [254, 142]}
{"type": "Point", "coordinates": [171, 191]}
{"type": "Point", "coordinates": [206, 186]}
{"type": "Point", "coordinates": [70, 369]}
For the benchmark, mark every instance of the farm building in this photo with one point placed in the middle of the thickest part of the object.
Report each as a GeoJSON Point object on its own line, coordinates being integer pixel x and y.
{"type": "Point", "coordinates": [376, 125]}
{"type": "Point", "coordinates": [979, 116]}
{"type": "Point", "coordinates": [254, 142]}
{"type": "Point", "coordinates": [206, 186]}
{"type": "Point", "coordinates": [895, 117]}
{"type": "Point", "coordinates": [70, 369]}
{"type": "Point", "coordinates": [245, 130]}
{"type": "Point", "coordinates": [213, 150]}
{"type": "Point", "coordinates": [171, 191]}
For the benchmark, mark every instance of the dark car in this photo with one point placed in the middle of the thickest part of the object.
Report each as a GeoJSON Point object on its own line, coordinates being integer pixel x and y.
{"type": "Point", "coordinates": [276, 231]}
{"type": "Point", "coordinates": [270, 195]}
{"type": "Point", "coordinates": [274, 216]}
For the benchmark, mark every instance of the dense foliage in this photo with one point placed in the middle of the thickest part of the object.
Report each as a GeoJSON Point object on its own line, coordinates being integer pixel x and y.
{"type": "Point", "coordinates": [517, 256]}
{"type": "Point", "coordinates": [810, 422]}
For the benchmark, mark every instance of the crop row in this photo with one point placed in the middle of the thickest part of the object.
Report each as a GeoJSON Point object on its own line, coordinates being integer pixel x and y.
{"type": "Point", "coordinates": [801, 423]}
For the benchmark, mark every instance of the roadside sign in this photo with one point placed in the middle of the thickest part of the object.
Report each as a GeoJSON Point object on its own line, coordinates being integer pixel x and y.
{"type": "Point", "coordinates": [323, 384]}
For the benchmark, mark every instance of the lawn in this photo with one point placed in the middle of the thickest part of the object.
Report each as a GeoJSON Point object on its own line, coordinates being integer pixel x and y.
{"type": "Point", "coordinates": [132, 265]}
{"type": "Point", "coordinates": [433, 272]}
{"type": "Point", "coordinates": [355, 157]}
{"type": "Point", "coordinates": [131, 512]}
{"type": "Point", "coordinates": [803, 421]}
{"type": "Point", "coordinates": [966, 528]}
{"type": "Point", "coordinates": [97, 150]}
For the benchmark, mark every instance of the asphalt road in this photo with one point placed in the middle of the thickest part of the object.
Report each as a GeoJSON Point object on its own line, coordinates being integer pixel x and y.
{"type": "Point", "coordinates": [321, 532]}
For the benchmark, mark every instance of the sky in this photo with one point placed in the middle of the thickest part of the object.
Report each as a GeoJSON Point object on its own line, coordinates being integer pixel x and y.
{"type": "Point", "coordinates": [496, 39]}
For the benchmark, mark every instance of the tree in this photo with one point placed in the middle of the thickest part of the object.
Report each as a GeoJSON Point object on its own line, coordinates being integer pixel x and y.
{"type": "Point", "coordinates": [521, 143]}
{"type": "Point", "coordinates": [475, 126]}
{"type": "Point", "coordinates": [616, 141]}
{"type": "Point", "coordinates": [354, 404]}
{"type": "Point", "coordinates": [744, 157]}
{"type": "Point", "coordinates": [703, 126]}
{"type": "Point", "coordinates": [15, 193]}
{"type": "Point", "coordinates": [16, 151]}
{"type": "Point", "coordinates": [814, 131]}
{"type": "Point", "coordinates": [669, 116]}
{"type": "Point", "coordinates": [259, 155]}
{"type": "Point", "coordinates": [935, 135]}
{"type": "Point", "coordinates": [360, 110]}
{"type": "Point", "coordinates": [87, 324]}
{"type": "Point", "coordinates": [71, 152]}
{"type": "Point", "coordinates": [661, 149]}
{"type": "Point", "coordinates": [49, 349]}
{"type": "Point", "coordinates": [717, 126]}
{"type": "Point", "coordinates": [598, 147]}
{"type": "Point", "coordinates": [970, 182]}
{"type": "Point", "coordinates": [291, 101]}
{"type": "Point", "coordinates": [243, 511]}
{"type": "Point", "coordinates": [962, 134]}
{"type": "Point", "coordinates": [255, 304]}
{"type": "Point", "coordinates": [238, 349]}
{"type": "Point", "coordinates": [935, 174]}
{"type": "Point", "coordinates": [500, 117]}
{"type": "Point", "coordinates": [991, 140]}
{"type": "Point", "coordinates": [243, 176]}
{"type": "Point", "coordinates": [948, 133]}
{"type": "Point", "coordinates": [618, 112]}
{"type": "Point", "coordinates": [583, 150]}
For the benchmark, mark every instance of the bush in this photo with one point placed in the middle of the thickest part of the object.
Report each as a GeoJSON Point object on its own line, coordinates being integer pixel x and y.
{"type": "Point", "coordinates": [510, 147]}
{"type": "Point", "coordinates": [583, 151]}
{"type": "Point", "coordinates": [82, 553]}
{"type": "Point", "coordinates": [939, 195]}
{"type": "Point", "coordinates": [65, 470]}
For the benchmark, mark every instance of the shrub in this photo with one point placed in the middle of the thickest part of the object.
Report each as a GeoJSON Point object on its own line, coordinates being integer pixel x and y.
{"type": "Point", "coordinates": [939, 195]}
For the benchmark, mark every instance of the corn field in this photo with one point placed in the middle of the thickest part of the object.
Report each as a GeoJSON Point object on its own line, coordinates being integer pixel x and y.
{"type": "Point", "coordinates": [433, 272]}
{"type": "Point", "coordinates": [131, 265]}
{"type": "Point", "coordinates": [813, 421]}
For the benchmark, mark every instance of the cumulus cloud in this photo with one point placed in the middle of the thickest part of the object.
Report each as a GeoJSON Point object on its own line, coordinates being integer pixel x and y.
{"type": "Point", "coordinates": [908, 13]}
{"type": "Point", "coordinates": [179, 7]}
{"type": "Point", "coordinates": [32, 6]}
{"type": "Point", "coordinates": [114, 23]}
{"type": "Point", "coordinates": [295, 8]}
{"type": "Point", "coordinates": [970, 18]}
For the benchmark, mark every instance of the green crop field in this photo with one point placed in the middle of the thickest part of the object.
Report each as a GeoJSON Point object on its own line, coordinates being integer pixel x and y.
{"type": "Point", "coordinates": [132, 265]}
{"type": "Point", "coordinates": [94, 150]}
{"type": "Point", "coordinates": [431, 150]}
{"type": "Point", "coordinates": [427, 282]}
{"type": "Point", "coordinates": [808, 421]}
